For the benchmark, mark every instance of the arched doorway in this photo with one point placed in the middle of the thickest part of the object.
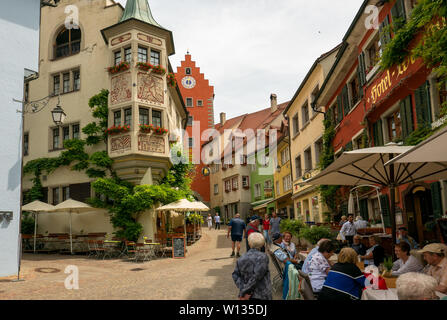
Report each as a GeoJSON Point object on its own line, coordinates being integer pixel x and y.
{"type": "Point", "coordinates": [418, 204]}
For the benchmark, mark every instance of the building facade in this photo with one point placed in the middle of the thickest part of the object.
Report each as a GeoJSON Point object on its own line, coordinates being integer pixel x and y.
{"type": "Point", "coordinates": [19, 33]}
{"type": "Point", "coordinates": [198, 96]}
{"type": "Point", "coordinates": [117, 49]}
{"type": "Point", "coordinates": [373, 107]}
{"type": "Point", "coordinates": [306, 131]}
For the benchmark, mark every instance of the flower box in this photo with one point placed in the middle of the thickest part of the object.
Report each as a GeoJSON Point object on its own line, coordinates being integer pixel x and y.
{"type": "Point", "coordinates": [158, 70]}
{"type": "Point", "coordinates": [122, 66]}
{"type": "Point", "coordinates": [160, 131]}
{"type": "Point", "coordinates": [170, 78]}
{"type": "Point", "coordinates": [146, 128]}
{"type": "Point", "coordinates": [117, 130]}
{"type": "Point", "coordinates": [145, 66]}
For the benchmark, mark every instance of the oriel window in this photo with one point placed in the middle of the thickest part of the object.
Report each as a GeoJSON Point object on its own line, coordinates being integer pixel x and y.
{"type": "Point", "coordinates": [156, 118]}
{"type": "Point", "coordinates": [117, 118]}
{"type": "Point", "coordinates": [155, 58]}
{"type": "Point", "coordinates": [142, 54]}
{"type": "Point", "coordinates": [128, 117]}
{"type": "Point", "coordinates": [144, 116]}
{"type": "Point", "coordinates": [117, 58]}
{"type": "Point", "coordinates": [128, 54]}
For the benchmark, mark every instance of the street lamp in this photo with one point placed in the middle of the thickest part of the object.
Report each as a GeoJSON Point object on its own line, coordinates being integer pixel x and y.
{"type": "Point", "coordinates": [58, 115]}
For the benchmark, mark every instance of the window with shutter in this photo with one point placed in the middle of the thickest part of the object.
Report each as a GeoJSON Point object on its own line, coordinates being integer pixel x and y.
{"type": "Point", "coordinates": [346, 102]}
{"type": "Point", "coordinates": [385, 203]}
{"type": "Point", "coordinates": [436, 200]}
{"type": "Point", "coordinates": [378, 133]}
{"type": "Point", "coordinates": [364, 209]}
{"type": "Point", "coordinates": [349, 146]}
{"type": "Point", "coordinates": [423, 105]}
{"type": "Point", "coordinates": [362, 70]}
{"type": "Point", "coordinates": [406, 117]}
{"type": "Point", "coordinates": [398, 14]}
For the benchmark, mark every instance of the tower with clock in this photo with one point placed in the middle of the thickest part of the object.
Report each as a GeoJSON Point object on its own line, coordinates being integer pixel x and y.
{"type": "Point", "coordinates": [199, 100]}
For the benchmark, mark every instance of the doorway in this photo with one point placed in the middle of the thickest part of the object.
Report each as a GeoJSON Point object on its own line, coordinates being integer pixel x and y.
{"type": "Point", "coordinates": [418, 204]}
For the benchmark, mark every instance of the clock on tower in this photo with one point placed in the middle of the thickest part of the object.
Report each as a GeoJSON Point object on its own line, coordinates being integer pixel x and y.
{"type": "Point", "coordinates": [188, 82]}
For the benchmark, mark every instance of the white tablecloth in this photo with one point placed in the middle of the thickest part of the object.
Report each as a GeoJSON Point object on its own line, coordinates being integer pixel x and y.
{"type": "Point", "coordinates": [390, 294]}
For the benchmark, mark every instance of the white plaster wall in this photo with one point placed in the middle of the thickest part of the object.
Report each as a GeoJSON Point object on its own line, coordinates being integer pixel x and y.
{"type": "Point", "coordinates": [19, 38]}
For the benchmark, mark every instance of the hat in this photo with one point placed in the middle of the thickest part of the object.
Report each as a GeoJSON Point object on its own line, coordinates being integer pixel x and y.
{"type": "Point", "coordinates": [255, 218]}
{"type": "Point", "coordinates": [433, 248]}
{"type": "Point", "coordinates": [276, 236]}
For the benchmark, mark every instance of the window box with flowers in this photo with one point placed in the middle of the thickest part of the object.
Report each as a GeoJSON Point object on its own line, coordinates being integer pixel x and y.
{"type": "Point", "coordinates": [160, 131]}
{"type": "Point", "coordinates": [171, 80]}
{"type": "Point", "coordinates": [117, 130]}
{"type": "Point", "coordinates": [122, 66]}
{"type": "Point", "coordinates": [145, 66]}
{"type": "Point", "coordinates": [146, 128]}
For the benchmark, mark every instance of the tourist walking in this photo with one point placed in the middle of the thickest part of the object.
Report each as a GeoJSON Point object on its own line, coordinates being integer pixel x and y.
{"type": "Point", "coordinates": [236, 228]}
{"type": "Point", "coordinates": [275, 221]}
{"type": "Point", "coordinates": [210, 221]}
{"type": "Point", "coordinates": [217, 221]}
{"type": "Point", "coordinates": [266, 228]}
{"type": "Point", "coordinates": [253, 226]}
{"type": "Point", "coordinates": [251, 274]}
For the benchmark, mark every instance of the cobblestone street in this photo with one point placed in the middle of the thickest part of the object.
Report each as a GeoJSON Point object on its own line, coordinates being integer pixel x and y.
{"type": "Point", "coordinates": [204, 275]}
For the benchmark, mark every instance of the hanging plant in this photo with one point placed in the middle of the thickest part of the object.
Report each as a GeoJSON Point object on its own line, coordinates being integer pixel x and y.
{"type": "Point", "coordinates": [146, 128]}
{"type": "Point", "coordinates": [122, 66]}
{"type": "Point", "coordinates": [171, 80]}
{"type": "Point", "coordinates": [117, 130]}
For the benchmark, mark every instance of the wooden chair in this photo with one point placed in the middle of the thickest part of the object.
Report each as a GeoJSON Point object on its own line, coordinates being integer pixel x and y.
{"type": "Point", "coordinates": [130, 248]}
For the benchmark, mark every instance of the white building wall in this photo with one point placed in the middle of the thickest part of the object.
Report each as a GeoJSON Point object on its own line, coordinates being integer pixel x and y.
{"type": "Point", "coordinates": [19, 38]}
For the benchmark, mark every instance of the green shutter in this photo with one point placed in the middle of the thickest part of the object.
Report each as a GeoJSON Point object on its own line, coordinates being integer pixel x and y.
{"type": "Point", "coordinates": [349, 146]}
{"type": "Point", "coordinates": [362, 70]}
{"type": "Point", "coordinates": [423, 105]}
{"type": "Point", "coordinates": [378, 133]}
{"type": "Point", "coordinates": [346, 102]}
{"type": "Point", "coordinates": [339, 109]}
{"type": "Point", "coordinates": [406, 116]}
{"type": "Point", "coordinates": [436, 200]}
{"type": "Point", "coordinates": [385, 203]}
{"type": "Point", "coordinates": [364, 209]}
{"type": "Point", "coordinates": [384, 31]}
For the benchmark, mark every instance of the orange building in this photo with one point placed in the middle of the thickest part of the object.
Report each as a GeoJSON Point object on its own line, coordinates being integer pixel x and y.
{"type": "Point", "coordinates": [199, 100]}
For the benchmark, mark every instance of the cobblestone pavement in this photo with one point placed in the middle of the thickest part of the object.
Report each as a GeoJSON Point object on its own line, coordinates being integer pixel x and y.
{"type": "Point", "coordinates": [205, 274]}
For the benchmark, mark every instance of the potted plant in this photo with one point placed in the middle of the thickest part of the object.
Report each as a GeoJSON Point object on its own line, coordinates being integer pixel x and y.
{"type": "Point", "coordinates": [160, 131]}
{"type": "Point", "coordinates": [117, 130]}
{"type": "Point", "coordinates": [388, 266]}
{"type": "Point", "coordinates": [122, 66]}
{"type": "Point", "coordinates": [146, 128]}
{"type": "Point", "coordinates": [144, 66]}
{"type": "Point", "coordinates": [158, 70]}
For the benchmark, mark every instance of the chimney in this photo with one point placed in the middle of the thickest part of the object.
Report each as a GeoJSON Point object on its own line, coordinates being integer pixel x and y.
{"type": "Point", "coordinates": [223, 118]}
{"type": "Point", "coordinates": [273, 102]}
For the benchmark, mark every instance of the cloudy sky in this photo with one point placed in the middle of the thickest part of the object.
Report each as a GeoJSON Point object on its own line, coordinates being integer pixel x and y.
{"type": "Point", "coordinates": [249, 49]}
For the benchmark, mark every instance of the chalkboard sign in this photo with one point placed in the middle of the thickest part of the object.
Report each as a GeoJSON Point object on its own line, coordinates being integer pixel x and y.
{"type": "Point", "coordinates": [178, 247]}
{"type": "Point", "coordinates": [442, 223]}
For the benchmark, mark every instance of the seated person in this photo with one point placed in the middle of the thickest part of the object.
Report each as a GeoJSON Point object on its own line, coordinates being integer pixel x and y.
{"type": "Point", "coordinates": [358, 246]}
{"type": "Point", "coordinates": [288, 245]}
{"type": "Point", "coordinates": [406, 262]}
{"type": "Point", "coordinates": [375, 255]}
{"type": "Point", "coordinates": [305, 268]}
{"type": "Point", "coordinates": [434, 254]}
{"type": "Point", "coordinates": [416, 286]}
{"type": "Point", "coordinates": [360, 223]}
{"type": "Point", "coordinates": [277, 249]}
{"type": "Point", "coordinates": [345, 281]}
{"type": "Point", "coordinates": [319, 266]}
{"type": "Point", "coordinates": [403, 236]}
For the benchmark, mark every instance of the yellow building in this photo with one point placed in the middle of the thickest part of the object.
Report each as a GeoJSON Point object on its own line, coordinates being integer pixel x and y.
{"type": "Point", "coordinates": [283, 175]}
{"type": "Point", "coordinates": [306, 140]}
{"type": "Point", "coordinates": [74, 65]}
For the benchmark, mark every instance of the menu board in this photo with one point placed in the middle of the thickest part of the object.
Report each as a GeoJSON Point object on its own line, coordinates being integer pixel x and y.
{"type": "Point", "coordinates": [443, 228]}
{"type": "Point", "coordinates": [178, 247]}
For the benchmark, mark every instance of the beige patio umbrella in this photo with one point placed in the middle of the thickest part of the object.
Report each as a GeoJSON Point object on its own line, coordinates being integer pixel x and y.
{"type": "Point", "coordinates": [72, 206]}
{"type": "Point", "coordinates": [37, 207]}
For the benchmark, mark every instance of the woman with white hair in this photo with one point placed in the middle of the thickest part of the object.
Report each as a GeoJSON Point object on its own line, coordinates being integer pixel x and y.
{"type": "Point", "coordinates": [251, 274]}
{"type": "Point", "coordinates": [416, 286]}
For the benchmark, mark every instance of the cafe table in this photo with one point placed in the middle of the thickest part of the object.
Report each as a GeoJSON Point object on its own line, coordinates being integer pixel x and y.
{"type": "Point", "coordinates": [390, 294]}
{"type": "Point", "coordinates": [152, 248]}
{"type": "Point", "coordinates": [112, 245]}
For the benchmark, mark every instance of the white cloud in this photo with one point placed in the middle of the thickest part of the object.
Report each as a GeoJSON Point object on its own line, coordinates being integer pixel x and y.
{"type": "Point", "coordinates": [249, 49]}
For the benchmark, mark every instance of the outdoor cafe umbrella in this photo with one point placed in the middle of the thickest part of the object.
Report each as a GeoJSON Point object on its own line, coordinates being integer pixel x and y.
{"type": "Point", "coordinates": [367, 166]}
{"type": "Point", "coordinates": [430, 157]}
{"type": "Point", "coordinates": [72, 206]}
{"type": "Point", "coordinates": [35, 207]}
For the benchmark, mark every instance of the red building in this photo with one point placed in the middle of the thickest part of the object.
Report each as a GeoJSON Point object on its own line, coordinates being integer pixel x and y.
{"type": "Point", "coordinates": [371, 107]}
{"type": "Point", "coordinates": [199, 100]}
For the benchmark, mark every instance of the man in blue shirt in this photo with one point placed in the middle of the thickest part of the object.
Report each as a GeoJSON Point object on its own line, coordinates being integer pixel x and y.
{"type": "Point", "coordinates": [305, 267]}
{"type": "Point", "coordinates": [236, 227]}
{"type": "Point", "coordinates": [403, 236]}
{"type": "Point", "coordinates": [217, 221]}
